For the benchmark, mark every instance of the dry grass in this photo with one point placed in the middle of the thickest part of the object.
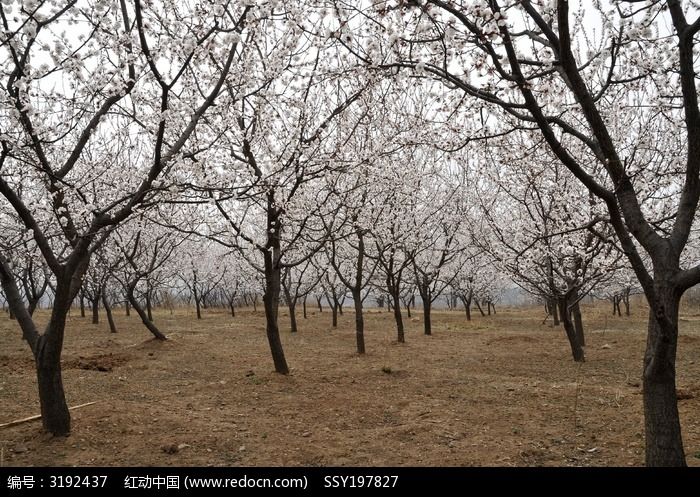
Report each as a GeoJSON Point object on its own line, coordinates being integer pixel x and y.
{"type": "Point", "coordinates": [499, 390]}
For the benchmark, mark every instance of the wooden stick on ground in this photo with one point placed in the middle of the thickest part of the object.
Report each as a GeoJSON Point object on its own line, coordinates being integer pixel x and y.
{"type": "Point", "coordinates": [38, 416]}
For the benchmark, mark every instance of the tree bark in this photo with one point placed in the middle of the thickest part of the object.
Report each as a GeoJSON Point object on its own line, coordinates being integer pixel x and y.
{"type": "Point", "coordinates": [478, 306]}
{"type": "Point", "coordinates": [55, 416]}
{"type": "Point", "coordinates": [359, 321]}
{"type": "Point", "coordinates": [108, 311]}
{"type": "Point", "coordinates": [664, 442]}
{"type": "Point", "coordinates": [555, 311]}
{"type": "Point", "coordinates": [149, 308]}
{"type": "Point", "coordinates": [95, 309]}
{"type": "Point", "coordinates": [565, 315]}
{"type": "Point", "coordinates": [467, 302]}
{"type": "Point", "coordinates": [578, 324]}
{"type": "Point", "coordinates": [273, 277]}
{"type": "Point", "coordinates": [292, 305]}
{"type": "Point", "coordinates": [233, 308]}
{"type": "Point", "coordinates": [303, 305]}
{"type": "Point", "coordinates": [82, 304]}
{"type": "Point", "coordinates": [400, 337]}
{"type": "Point", "coordinates": [144, 315]}
{"type": "Point", "coordinates": [334, 309]}
{"type": "Point", "coordinates": [127, 306]}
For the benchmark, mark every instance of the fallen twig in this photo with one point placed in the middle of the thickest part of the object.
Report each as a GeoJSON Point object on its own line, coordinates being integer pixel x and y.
{"type": "Point", "coordinates": [38, 416]}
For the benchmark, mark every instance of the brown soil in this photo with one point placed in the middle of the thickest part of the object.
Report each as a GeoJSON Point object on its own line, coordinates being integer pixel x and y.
{"type": "Point", "coordinates": [500, 390]}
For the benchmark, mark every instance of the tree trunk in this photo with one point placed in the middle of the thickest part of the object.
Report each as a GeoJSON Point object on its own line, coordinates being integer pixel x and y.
{"type": "Point", "coordinates": [292, 305]}
{"type": "Point", "coordinates": [427, 325]}
{"type": "Point", "coordinates": [54, 409]}
{"type": "Point", "coordinates": [127, 307]}
{"type": "Point", "coordinates": [359, 321]}
{"type": "Point", "coordinates": [380, 301]}
{"type": "Point", "coordinates": [82, 304]}
{"type": "Point", "coordinates": [408, 309]}
{"type": "Point", "coordinates": [488, 307]}
{"type": "Point", "coordinates": [55, 415]}
{"type": "Point", "coordinates": [554, 311]}
{"type": "Point", "coordinates": [334, 309]}
{"type": "Point", "coordinates": [467, 302]}
{"type": "Point", "coordinates": [108, 311]}
{"type": "Point", "coordinates": [400, 337]}
{"type": "Point", "coordinates": [303, 305]}
{"type": "Point", "coordinates": [578, 324]}
{"type": "Point", "coordinates": [664, 443]}
{"type": "Point", "coordinates": [273, 276]}
{"type": "Point", "coordinates": [95, 310]}
{"type": "Point", "coordinates": [626, 301]}
{"type": "Point", "coordinates": [478, 306]}
{"type": "Point", "coordinates": [144, 315]}
{"type": "Point", "coordinates": [149, 309]}
{"type": "Point", "coordinates": [565, 315]}
{"type": "Point", "coordinates": [32, 305]}
{"type": "Point", "coordinates": [233, 308]}
{"type": "Point", "coordinates": [320, 305]}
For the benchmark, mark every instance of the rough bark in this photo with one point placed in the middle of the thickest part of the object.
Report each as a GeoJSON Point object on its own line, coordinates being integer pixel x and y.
{"type": "Point", "coordinates": [664, 442]}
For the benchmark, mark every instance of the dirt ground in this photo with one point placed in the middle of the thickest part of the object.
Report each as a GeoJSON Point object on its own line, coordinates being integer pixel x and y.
{"type": "Point", "coordinates": [497, 391]}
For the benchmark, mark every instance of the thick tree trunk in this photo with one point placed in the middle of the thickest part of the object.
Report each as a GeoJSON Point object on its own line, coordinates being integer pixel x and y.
{"type": "Point", "coordinates": [47, 355]}
{"type": "Point", "coordinates": [95, 310]}
{"type": "Point", "coordinates": [127, 307]}
{"type": "Point", "coordinates": [82, 304]}
{"type": "Point", "coordinates": [664, 443]}
{"type": "Point", "coordinates": [54, 409]}
{"type": "Point", "coordinates": [565, 315]}
{"type": "Point", "coordinates": [108, 311]}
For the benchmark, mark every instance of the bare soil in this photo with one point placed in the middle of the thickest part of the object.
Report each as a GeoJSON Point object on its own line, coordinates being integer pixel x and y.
{"type": "Point", "coordinates": [496, 391]}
